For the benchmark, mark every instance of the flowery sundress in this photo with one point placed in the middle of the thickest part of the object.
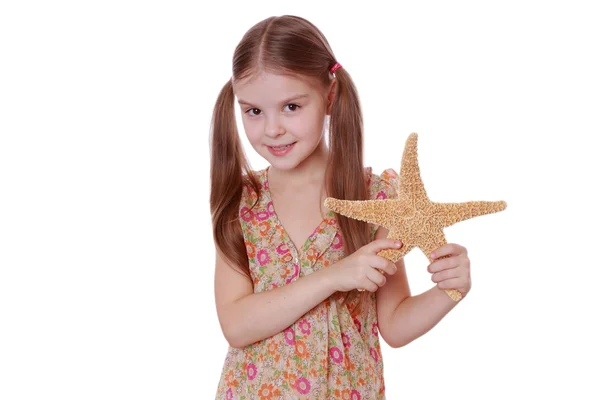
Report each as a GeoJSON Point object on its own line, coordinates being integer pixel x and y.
{"type": "Point", "coordinates": [333, 351]}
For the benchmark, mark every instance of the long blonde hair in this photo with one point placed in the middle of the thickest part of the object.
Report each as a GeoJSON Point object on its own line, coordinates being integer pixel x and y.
{"type": "Point", "coordinates": [291, 45]}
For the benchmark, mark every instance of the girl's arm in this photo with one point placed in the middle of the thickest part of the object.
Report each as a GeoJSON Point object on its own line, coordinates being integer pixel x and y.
{"type": "Point", "coordinates": [416, 315]}
{"type": "Point", "coordinates": [246, 317]}
{"type": "Point", "coordinates": [402, 318]}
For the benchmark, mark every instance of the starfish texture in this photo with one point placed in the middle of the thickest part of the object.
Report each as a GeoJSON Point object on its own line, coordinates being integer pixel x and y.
{"type": "Point", "coordinates": [412, 218]}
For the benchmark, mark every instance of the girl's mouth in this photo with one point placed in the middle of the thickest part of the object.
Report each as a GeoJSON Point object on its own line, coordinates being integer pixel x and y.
{"type": "Point", "coordinates": [281, 150]}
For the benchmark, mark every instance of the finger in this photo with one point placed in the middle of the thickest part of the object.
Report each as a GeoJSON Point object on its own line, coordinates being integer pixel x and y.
{"type": "Point", "coordinates": [382, 244]}
{"type": "Point", "coordinates": [376, 277]}
{"type": "Point", "coordinates": [382, 264]}
{"type": "Point", "coordinates": [445, 263]}
{"type": "Point", "coordinates": [387, 267]}
{"type": "Point", "coordinates": [445, 274]}
{"type": "Point", "coordinates": [370, 286]}
{"type": "Point", "coordinates": [390, 268]}
{"type": "Point", "coordinates": [447, 250]}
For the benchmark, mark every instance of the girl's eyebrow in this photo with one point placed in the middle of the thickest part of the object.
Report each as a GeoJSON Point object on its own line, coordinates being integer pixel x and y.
{"type": "Point", "coordinates": [295, 97]}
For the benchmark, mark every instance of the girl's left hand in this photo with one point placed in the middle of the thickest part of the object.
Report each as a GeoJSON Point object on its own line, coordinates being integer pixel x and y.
{"type": "Point", "coordinates": [453, 272]}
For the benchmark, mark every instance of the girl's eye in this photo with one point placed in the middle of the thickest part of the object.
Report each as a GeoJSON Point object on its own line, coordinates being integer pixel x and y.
{"type": "Point", "coordinates": [253, 112]}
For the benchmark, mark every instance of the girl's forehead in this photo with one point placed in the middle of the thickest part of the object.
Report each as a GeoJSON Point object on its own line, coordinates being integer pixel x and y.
{"type": "Point", "coordinates": [263, 79]}
{"type": "Point", "coordinates": [266, 84]}
{"type": "Point", "coordinates": [271, 90]}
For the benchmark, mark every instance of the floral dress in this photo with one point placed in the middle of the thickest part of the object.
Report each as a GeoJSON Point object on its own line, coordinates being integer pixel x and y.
{"type": "Point", "coordinates": [333, 351]}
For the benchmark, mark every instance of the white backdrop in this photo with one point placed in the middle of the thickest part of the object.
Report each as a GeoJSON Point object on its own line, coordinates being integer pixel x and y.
{"type": "Point", "coordinates": [106, 255]}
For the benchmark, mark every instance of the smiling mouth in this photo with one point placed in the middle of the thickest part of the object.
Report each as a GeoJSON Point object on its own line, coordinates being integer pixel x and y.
{"type": "Point", "coordinates": [280, 148]}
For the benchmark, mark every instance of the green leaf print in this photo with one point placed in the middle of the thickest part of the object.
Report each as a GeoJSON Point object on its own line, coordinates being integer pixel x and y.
{"type": "Point", "coordinates": [336, 323]}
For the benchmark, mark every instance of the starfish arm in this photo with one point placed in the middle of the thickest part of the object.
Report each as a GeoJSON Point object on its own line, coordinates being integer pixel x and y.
{"type": "Point", "coordinates": [373, 211]}
{"type": "Point", "coordinates": [411, 185]}
{"type": "Point", "coordinates": [396, 233]}
{"type": "Point", "coordinates": [392, 254]}
{"type": "Point", "coordinates": [395, 255]}
{"type": "Point", "coordinates": [435, 241]}
{"type": "Point", "coordinates": [451, 213]}
{"type": "Point", "coordinates": [431, 242]}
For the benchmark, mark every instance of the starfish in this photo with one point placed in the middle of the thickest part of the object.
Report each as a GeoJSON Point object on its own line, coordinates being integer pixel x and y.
{"type": "Point", "coordinates": [412, 218]}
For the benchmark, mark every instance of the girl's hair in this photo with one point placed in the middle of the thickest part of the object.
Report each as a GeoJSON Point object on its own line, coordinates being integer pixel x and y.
{"type": "Point", "coordinates": [285, 45]}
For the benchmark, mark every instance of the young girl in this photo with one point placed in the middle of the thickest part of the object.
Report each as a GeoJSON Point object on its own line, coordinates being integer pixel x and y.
{"type": "Point", "coordinates": [301, 294]}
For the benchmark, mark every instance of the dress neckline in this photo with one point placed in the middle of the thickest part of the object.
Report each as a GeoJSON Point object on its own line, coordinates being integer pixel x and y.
{"type": "Point", "coordinates": [288, 238]}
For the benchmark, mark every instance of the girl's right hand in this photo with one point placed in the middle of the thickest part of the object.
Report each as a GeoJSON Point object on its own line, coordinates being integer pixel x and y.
{"type": "Point", "coordinates": [362, 269]}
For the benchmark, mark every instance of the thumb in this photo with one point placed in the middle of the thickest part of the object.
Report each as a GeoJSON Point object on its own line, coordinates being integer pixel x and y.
{"type": "Point", "coordinates": [381, 244]}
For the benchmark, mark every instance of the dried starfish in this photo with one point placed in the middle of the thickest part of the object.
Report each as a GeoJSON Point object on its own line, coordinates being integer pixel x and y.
{"type": "Point", "coordinates": [413, 218]}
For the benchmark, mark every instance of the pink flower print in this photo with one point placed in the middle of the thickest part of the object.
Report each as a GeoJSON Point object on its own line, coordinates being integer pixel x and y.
{"type": "Point", "coordinates": [381, 196]}
{"type": "Point", "coordinates": [336, 354]}
{"type": "Point", "coordinates": [374, 354]}
{"type": "Point", "coordinates": [251, 371]}
{"type": "Point", "coordinates": [357, 323]}
{"type": "Point", "coordinates": [263, 257]}
{"type": "Point", "coordinates": [355, 395]}
{"type": "Point", "coordinates": [305, 327]}
{"type": "Point", "coordinates": [229, 395]}
{"type": "Point", "coordinates": [294, 275]}
{"type": "Point", "coordinates": [337, 241]}
{"type": "Point", "coordinates": [270, 208]}
{"type": "Point", "coordinates": [303, 385]}
{"type": "Point", "coordinates": [345, 340]}
{"type": "Point", "coordinates": [290, 336]}
{"type": "Point", "coordinates": [262, 215]}
{"type": "Point", "coordinates": [266, 185]}
{"type": "Point", "coordinates": [246, 214]}
{"type": "Point", "coordinates": [282, 248]}
{"type": "Point", "coordinates": [374, 329]}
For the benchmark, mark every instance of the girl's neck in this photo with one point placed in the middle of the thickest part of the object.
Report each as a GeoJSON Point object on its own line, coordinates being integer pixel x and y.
{"type": "Point", "coordinates": [309, 172]}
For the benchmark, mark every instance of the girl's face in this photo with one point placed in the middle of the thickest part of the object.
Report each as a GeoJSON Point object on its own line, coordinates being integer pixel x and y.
{"type": "Point", "coordinates": [283, 117]}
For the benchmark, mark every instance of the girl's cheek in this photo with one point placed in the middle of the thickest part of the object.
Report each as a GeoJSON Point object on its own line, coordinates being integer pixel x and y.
{"type": "Point", "coordinates": [253, 131]}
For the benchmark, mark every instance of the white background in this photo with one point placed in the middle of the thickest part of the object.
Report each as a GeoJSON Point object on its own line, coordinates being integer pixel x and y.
{"type": "Point", "coordinates": [106, 255]}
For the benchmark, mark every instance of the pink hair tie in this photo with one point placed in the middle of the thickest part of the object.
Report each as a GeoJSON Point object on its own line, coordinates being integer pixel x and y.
{"type": "Point", "coordinates": [335, 67]}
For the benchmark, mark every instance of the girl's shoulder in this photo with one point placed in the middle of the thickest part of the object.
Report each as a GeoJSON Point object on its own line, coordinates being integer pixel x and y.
{"type": "Point", "coordinates": [249, 193]}
{"type": "Point", "coordinates": [384, 185]}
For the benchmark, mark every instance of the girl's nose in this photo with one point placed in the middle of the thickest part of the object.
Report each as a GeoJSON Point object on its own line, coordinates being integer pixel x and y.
{"type": "Point", "coordinates": [273, 128]}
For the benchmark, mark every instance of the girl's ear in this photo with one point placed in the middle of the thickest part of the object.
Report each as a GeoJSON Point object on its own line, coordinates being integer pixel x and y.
{"type": "Point", "coordinates": [331, 95]}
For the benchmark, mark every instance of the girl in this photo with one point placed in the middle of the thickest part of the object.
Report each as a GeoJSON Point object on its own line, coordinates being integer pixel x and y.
{"type": "Point", "coordinates": [289, 273]}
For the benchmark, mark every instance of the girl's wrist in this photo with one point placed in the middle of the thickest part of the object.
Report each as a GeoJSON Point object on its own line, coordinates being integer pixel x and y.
{"type": "Point", "coordinates": [328, 277]}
